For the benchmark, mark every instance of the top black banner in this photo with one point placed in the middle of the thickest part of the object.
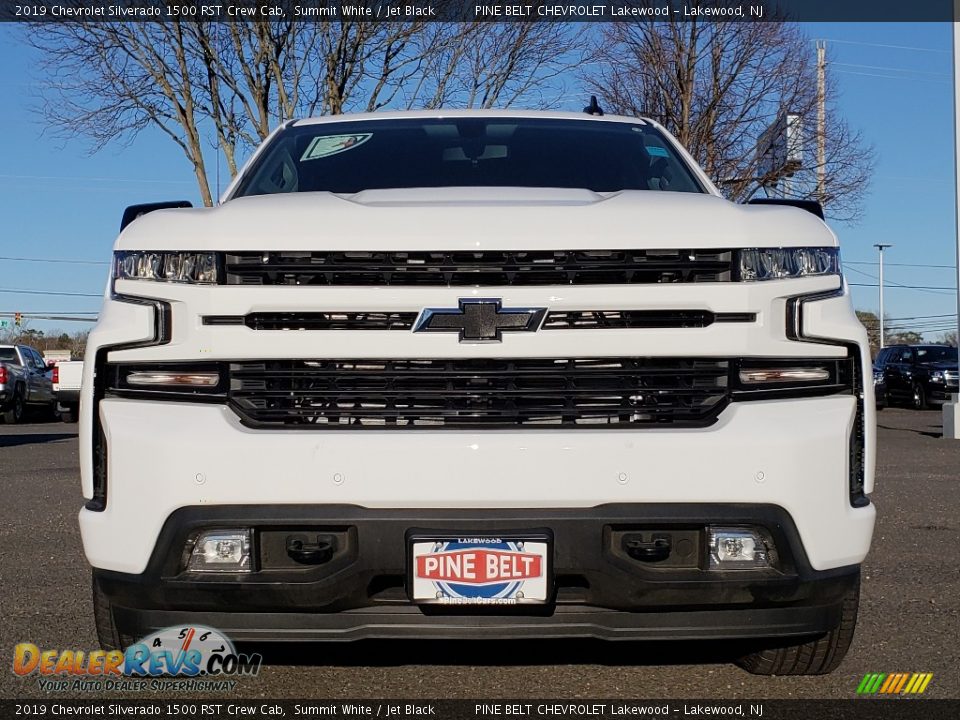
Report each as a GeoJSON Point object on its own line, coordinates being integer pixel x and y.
{"type": "Point", "coordinates": [378, 11]}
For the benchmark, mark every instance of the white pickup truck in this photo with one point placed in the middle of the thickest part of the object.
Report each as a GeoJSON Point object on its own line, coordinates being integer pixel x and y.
{"type": "Point", "coordinates": [480, 374]}
{"type": "Point", "coordinates": [67, 377]}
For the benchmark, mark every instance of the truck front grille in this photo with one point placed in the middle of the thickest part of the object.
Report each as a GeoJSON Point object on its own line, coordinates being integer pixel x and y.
{"type": "Point", "coordinates": [570, 392]}
{"type": "Point", "coordinates": [493, 268]}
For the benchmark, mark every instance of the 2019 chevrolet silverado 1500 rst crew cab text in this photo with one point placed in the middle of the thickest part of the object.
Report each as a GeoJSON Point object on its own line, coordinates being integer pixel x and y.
{"type": "Point", "coordinates": [480, 374]}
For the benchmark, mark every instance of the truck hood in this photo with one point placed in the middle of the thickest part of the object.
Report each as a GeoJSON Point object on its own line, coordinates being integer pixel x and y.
{"type": "Point", "coordinates": [942, 365]}
{"type": "Point", "coordinates": [475, 219]}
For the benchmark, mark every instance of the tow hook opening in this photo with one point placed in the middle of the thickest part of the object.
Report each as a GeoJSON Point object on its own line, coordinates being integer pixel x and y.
{"type": "Point", "coordinates": [300, 549]}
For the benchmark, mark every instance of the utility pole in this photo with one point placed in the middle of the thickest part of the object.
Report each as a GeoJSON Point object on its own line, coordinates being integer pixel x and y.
{"type": "Point", "coordinates": [821, 120]}
{"type": "Point", "coordinates": [951, 410]}
{"type": "Point", "coordinates": [883, 336]}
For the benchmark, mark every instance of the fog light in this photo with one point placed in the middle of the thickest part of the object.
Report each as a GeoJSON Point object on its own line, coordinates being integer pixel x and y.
{"type": "Point", "coordinates": [737, 549]}
{"type": "Point", "coordinates": [221, 551]}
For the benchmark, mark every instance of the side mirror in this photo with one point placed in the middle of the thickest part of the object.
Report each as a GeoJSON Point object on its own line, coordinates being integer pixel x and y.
{"type": "Point", "coordinates": [811, 206]}
{"type": "Point", "coordinates": [135, 211]}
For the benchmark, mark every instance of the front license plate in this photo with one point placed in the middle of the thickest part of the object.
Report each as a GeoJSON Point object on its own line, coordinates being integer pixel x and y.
{"type": "Point", "coordinates": [484, 570]}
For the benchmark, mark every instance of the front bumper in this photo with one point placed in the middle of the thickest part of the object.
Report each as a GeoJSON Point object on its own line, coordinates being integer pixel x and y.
{"type": "Point", "coordinates": [65, 398]}
{"type": "Point", "coordinates": [942, 393]}
{"type": "Point", "coordinates": [163, 456]}
{"type": "Point", "coordinates": [599, 591]}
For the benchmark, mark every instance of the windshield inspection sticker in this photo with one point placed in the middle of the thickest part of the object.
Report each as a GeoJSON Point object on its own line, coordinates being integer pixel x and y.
{"type": "Point", "coordinates": [327, 145]}
{"type": "Point", "coordinates": [657, 151]}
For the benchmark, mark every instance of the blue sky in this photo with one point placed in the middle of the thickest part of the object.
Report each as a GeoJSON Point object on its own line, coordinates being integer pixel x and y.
{"type": "Point", "coordinates": [59, 201]}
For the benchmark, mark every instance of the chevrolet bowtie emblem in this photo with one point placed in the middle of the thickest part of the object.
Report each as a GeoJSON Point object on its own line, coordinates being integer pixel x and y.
{"type": "Point", "coordinates": [480, 320]}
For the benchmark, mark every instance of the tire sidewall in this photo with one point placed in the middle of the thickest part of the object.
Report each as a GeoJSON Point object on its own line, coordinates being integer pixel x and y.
{"type": "Point", "coordinates": [919, 398]}
{"type": "Point", "coordinates": [18, 409]}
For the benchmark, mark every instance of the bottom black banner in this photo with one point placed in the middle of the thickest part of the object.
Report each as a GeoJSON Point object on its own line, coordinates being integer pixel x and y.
{"type": "Point", "coordinates": [857, 709]}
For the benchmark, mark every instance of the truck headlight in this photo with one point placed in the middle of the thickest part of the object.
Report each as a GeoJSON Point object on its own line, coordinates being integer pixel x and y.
{"type": "Point", "coordinates": [936, 376]}
{"type": "Point", "coordinates": [781, 263]}
{"type": "Point", "coordinates": [166, 266]}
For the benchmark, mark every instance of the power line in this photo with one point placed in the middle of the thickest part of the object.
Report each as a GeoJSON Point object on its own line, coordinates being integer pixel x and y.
{"type": "Point", "coordinates": [896, 284]}
{"type": "Point", "coordinates": [930, 288]}
{"type": "Point", "coordinates": [55, 260]}
{"type": "Point", "coordinates": [94, 179]}
{"type": "Point", "coordinates": [50, 292]}
{"type": "Point", "coordinates": [921, 317]}
{"type": "Point", "coordinates": [927, 321]}
{"type": "Point", "coordinates": [945, 323]}
{"type": "Point", "coordinates": [939, 75]}
{"type": "Point", "coordinates": [891, 47]}
{"type": "Point", "coordinates": [62, 318]}
{"type": "Point", "coordinates": [31, 313]}
{"type": "Point", "coordinates": [889, 264]}
{"type": "Point", "coordinates": [893, 77]}
{"type": "Point", "coordinates": [921, 326]}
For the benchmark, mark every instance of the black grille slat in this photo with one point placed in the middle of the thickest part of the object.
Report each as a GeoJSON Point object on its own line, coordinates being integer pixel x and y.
{"type": "Point", "coordinates": [318, 320]}
{"type": "Point", "coordinates": [555, 320]}
{"type": "Point", "coordinates": [486, 268]}
{"type": "Point", "coordinates": [475, 392]}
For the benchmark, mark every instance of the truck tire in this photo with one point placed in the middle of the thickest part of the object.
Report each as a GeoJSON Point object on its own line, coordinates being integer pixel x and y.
{"type": "Point", "coordinates": [818, 656]}
{"type": "Point", "coordinates": [18, 408]}
{"type": "Point", "coordinates": [108, 634]}
{"type": "Point", "coordinates": [71, 414]}
{"type": "Point", "coordinates": [918, 400]}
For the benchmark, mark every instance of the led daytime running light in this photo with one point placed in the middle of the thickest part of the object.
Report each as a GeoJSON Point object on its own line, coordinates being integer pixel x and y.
{"type": "Point", "coordinates": [782, 263]}
{"type": "Point", "coordinates": [194, 379]}
{"type": "Point", "coordinates": [182, 267]}
{"type": "Point", "coordinates": [780, 375]}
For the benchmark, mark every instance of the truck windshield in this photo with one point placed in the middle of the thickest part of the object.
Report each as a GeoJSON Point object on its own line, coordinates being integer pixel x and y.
{"type": "Point", "coordinates": [349, 157]}
{"type": "Point", "coordinates": [936, 354]}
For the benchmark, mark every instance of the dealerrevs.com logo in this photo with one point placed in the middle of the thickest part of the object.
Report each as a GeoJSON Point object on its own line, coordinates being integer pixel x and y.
{"type": "Point", "coordinates": [195, 657]}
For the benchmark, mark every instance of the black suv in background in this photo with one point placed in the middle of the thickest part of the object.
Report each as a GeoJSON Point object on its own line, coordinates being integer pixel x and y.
{"type": "Point", "coordinates": [915, 374]}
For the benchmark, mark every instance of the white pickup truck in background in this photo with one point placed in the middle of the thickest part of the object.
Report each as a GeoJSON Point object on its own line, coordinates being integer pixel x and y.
{"type": "Point", "coordinates": [66, 388]}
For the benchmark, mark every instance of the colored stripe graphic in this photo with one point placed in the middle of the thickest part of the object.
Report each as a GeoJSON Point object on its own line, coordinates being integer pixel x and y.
{"type": "Point", "coordinates": [900, 682]}
{"type": "Point", "coordinates": [862, 687]}
{"type": "Point", "coordinates": [894, 683]}
{"type": "Point", "coordinates": [889, 683]}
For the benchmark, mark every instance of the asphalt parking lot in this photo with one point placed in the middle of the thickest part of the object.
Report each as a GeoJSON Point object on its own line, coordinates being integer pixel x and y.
{"type": "Point", "coordinates": [909, 620]}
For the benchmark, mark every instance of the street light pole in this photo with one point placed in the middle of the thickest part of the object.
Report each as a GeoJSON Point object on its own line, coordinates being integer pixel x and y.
{"type": "Point", "coordinates": [883, 336]}
{"type": "Point", "coordinates": [951, 410]}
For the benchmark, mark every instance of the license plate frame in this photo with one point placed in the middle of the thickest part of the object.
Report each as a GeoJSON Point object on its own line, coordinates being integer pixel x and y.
{"type": "Point", "coordinates": [512, 552]}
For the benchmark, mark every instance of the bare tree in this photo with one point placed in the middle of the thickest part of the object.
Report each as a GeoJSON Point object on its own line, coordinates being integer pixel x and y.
{"type": "Point", "coordinates": [225, 85]}
{"type": "Point", "coordinates": [110, 81]}
{"type": "Point", "coordinates": [485, 65]}
{"type": "Point", "coordinates": [948, 338]}
{"type": "Point", "coordinates": [718, 87]}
